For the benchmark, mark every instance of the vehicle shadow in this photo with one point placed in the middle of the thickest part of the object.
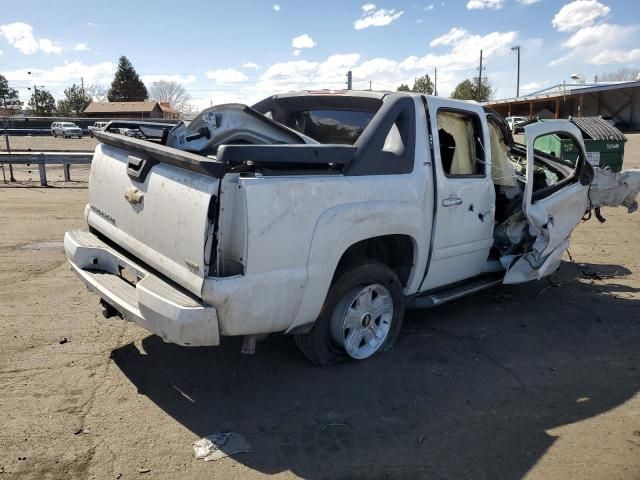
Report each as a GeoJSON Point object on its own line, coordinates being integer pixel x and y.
{"type": "Point", "coordinates": [469, 391]}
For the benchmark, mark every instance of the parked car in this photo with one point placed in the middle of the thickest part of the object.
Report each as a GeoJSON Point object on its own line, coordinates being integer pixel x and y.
{"type": "Point", "coordinates": [513, 121]}
{"type": "Point", "coordinates": [66, 129]}
{"type": "Point", "coordinates": [324, 215]}
{"type": "Point", "coordinates": [96, 127]}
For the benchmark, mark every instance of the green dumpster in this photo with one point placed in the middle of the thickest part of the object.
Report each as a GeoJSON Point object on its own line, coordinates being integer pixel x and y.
{"type": "Point", "coordinates": [604, 143]}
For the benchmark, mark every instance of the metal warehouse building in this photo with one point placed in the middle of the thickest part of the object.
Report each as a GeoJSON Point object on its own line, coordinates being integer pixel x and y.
{"type": "Point", "coordinates": [619, 101]}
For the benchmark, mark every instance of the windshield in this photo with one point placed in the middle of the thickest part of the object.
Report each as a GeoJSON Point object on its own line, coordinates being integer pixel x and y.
{"type": "Point", "coordinates": [68, 124]}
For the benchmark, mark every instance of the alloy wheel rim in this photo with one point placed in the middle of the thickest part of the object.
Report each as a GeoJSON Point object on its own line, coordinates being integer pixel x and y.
{"type": "Point", "coordinates": [362, 320]}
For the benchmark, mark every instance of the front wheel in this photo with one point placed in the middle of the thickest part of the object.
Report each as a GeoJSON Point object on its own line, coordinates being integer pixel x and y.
{"type": "Point", "coordinates": [361, 315]}
{"type": "Point", "coordinates": [55, 135]}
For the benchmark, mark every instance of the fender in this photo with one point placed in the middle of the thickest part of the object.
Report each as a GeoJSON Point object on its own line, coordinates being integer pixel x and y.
{"type": "Point", "coordinates": [340, 227]}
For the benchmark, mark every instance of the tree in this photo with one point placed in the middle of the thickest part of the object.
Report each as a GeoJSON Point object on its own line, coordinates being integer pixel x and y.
{"type": "Point", "coordinates": [126, 85]}
{"type": "Point", "coordinates": [97, 92]}
{"type": "Point", "coordinates": [74, 102]}
{"type": "Point", "coordinates": [42, 103]}
{"type": "Point", "coordinates": [420, 85]}
{"type": "Point", "coordinates": [423, 85]}
{"type": "Point", "coordinates": [620, 75]}
{"type": "Point", "coordinates": [9, 99]}
{"type": "Point", "coordinates": [468, 90]}
{"type": "Point", "coordinates": [170, 92]}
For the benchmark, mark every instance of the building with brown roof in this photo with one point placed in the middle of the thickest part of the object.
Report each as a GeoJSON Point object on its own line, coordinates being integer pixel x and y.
{"type": "Point", "coordinates": [131, 110]}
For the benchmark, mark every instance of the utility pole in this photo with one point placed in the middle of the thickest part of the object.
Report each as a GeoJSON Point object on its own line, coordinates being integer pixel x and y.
{"type": "Point", "coordinates": [349, 80]}
{"type": "Point", "coordinates": [479, 78]}
{"type": "Point", "coordinates": [517, 50]}
{"type": "Point", "coordinates": [435, 81]}
{"type": "Point", "coordinates": [369, 85]}
{"type": "Point", "coordinates": [35, 96]}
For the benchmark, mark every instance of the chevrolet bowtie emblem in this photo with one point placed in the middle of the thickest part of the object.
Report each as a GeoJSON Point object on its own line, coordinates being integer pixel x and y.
{"type": "Point", "coordinates": [133, 196]}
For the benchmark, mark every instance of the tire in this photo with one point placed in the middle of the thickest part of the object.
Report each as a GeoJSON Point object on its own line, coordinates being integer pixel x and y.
{"type": "Point", "coordinates": [64, 135]}
{"type": "Point", "coordinates": [55, 135]}
{"type": "Point", "coordinates": [346, 329]}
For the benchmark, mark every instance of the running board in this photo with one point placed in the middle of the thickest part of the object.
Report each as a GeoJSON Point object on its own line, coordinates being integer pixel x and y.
{"type": "Point", "coordinates": [433, 299]}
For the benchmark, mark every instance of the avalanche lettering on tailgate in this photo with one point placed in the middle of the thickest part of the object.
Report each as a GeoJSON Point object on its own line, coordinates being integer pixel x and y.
{"type": "Point", "coordinates": [104, 215]}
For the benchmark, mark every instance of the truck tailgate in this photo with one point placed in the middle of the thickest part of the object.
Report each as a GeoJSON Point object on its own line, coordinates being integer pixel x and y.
{"type": "Point", "coordinates": [163, 218]}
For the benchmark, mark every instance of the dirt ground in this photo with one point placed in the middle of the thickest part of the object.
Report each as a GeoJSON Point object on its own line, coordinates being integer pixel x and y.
{"type": "Point", "coordinates": [538, 381]}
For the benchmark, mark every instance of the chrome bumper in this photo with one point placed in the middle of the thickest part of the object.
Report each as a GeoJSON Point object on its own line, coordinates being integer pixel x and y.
{"type": "Point", "coordinates": [144, 298]}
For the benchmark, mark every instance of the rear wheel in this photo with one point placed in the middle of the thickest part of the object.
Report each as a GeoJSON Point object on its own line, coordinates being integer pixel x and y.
{"type": "Point", "coordinates": [361, 316]}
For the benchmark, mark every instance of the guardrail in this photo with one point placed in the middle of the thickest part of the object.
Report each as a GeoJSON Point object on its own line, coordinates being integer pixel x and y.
{"type": "Point", "coordinates": [42, 160]}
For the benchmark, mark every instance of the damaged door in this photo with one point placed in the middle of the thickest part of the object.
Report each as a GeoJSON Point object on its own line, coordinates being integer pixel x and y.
{"type": "Point", "coordinates": [555, 199]}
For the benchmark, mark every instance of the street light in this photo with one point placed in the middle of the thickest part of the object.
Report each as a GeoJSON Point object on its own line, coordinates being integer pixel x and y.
{"type": "Point", "coordinates": [517, 49]}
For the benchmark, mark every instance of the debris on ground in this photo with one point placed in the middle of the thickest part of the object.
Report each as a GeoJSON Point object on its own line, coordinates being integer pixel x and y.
{"type": "Point", "coordinates": [63, 340]}
{"type": "Point", "coordinates": [587, 272]}
{"type": "Point", "coordinates": [144, 470]}
{"type": "Point", "coordinates": [324, 427]}
{"type": "Point", "coordinates": [220, 445]}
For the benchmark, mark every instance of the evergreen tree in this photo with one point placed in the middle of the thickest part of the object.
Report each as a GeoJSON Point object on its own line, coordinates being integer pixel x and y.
{"type": "Point", "coordinates": [9, 98]}
{"type": "Point", "coordinates": [404, 88]}
{"type": "Point", "coordinates": [423, 85]}
{"type": "Point", "coordinates": [74, 102]}
{"type": "Point", "coordinates": [42, 103]}
{"type": "Point", "coordinates": [468, 90]}
{"type": "Point", "coordinates": [127, 86]}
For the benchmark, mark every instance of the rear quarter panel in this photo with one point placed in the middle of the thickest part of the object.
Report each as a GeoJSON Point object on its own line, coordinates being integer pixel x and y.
{"type": "Point", "coordinates": [298, 227]}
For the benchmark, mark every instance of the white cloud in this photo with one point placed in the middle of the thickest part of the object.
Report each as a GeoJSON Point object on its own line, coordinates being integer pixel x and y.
{"type": "Point", "coordinates": [67, 73]}
{"type": "Point", "coordinates": [294, 71]}
{"type": "Point", "coordinates": [375, 18]}
{"type": "Point", "coordinates": [250, 65]}
{"type": "Point", "coordinates": [296, 53]}
{"type": "Point", "coordinates": [598, 35]}
{"type": "Point", "coordinates": [578, 14]}
{"type": "Point", "coordinates": [450, 38]}
{"type": "Point", "coordinates": [183, 79]}
{"type": "Point", "coordinates": [226, 75]}
{"type": "Point", "coordinates": [528, 2]}
{"type": "Point", "coordinates": [455, 63]}
{"type": "Point", "coordinates": [482, 4]}
{"type": "Point", "coordinates": [531, 86]}
{"type": "Point", "coordinates": [615, 56]}
{"type": "Point", "coordinates": [81, 47]}
{"type": "Point", "coordinates": [592, 44]}
{"type": "Point", "coordinates": [20, 35]}
{"type": "Point", "coordinates": [91, 24]}
{"type": "Point", "coordinates": [276, 7]}
{"type": "Point", "coordinates": [302, 41]}
{"type": "Point", "coordinates": [428, 8]}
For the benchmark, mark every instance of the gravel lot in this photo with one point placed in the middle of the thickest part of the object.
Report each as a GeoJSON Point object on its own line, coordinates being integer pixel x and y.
{"type": "Point", "coordinates": [48, 144]}
{"type": "Point", "coordinates": [538, 381]}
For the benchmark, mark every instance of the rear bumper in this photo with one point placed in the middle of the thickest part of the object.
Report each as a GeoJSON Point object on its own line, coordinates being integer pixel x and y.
{"type": "Point", "coordinates": [152, 303]}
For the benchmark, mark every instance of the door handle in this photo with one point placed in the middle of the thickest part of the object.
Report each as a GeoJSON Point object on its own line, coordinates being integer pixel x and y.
{"type": "Point", "coordinates": [451, 201]}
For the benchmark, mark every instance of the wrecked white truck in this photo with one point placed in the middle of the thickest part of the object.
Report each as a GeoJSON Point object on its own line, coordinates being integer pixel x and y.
{"type": "Point", "coordinates": [324, 215]}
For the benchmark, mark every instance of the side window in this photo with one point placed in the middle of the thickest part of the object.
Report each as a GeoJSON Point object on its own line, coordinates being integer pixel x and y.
{"type": "Point", "coordinates": [556, 157]}
{"type": "Point", "coordinates": [461, 150]}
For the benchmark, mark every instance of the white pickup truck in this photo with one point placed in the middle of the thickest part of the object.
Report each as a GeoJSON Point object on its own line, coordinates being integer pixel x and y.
{"type": "Point", "coordinates": [323, 215]}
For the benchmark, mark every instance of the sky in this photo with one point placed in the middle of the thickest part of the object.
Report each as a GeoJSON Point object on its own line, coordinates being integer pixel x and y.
{"type": "Point", "coordinates": [245, 50]}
